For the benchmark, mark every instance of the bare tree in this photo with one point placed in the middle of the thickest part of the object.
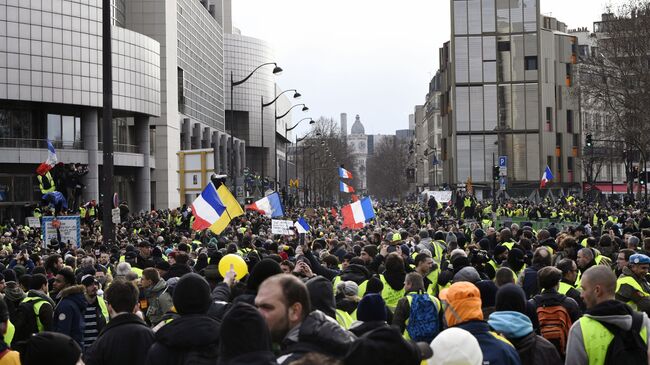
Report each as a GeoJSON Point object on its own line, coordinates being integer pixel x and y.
{"type": "Point", "coordinates": [617, 76]}
{"type": "Point", "coordinates": [387, 169]}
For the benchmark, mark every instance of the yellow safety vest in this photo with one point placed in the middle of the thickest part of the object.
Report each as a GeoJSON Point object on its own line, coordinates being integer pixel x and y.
{"type": "Point", "coordinates": [508, 245]}
{"type": "Point", "coordinates": [11, 331]}
{"type": "Point", "coordinates": [136, 270]}
{"type": "Point", "coordinates": [343, 318]}
{"type": "Point", "coordinates": [633, 283]}
{"type": "Point", "coordinates": [596, 339]}
{"type": "Point", "coordinates": [103, 308]}
{"type": "Point", "coordinates": [409, 297]}
{"type": "Point", "coordinates": [433, 277]}
{"type": "Point", "coordinates": [564, 288]}
{"type": "Point", "coordinates": [390, 295]}
{"type": "Point", "coordinates": [37, 309]}
{"type": "Point", "coordinates": [50, 181]}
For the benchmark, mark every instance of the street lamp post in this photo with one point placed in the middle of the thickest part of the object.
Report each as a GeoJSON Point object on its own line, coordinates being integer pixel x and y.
{"type": "Point", "coordinates": [296, 95]}
{"type": "Point", "coordinates": [286, 157]}
{"type": "Point", "coordinates": [276, 71]}
{"type": "Point", "coordinates": [304, 109]}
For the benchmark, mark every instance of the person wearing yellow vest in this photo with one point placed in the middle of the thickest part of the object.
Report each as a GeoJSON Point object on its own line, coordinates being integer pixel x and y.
{"type": "Point", "coordinates": [413, 284]}
{"type": "Point", "coordinates": [588, 338]}
{"type": "Point", "coordinates": [586, 259]}
{"type": "Point", "coordinates": [393, 280]}
{"type": "Point", "coordinates": [567, 284]}
{"type": "Point", "coordinates": [425, 266]}
{"type": "Point", "coordinates": [96, 313]}
{"type": "Point", "coordinates": [46, 183]}
{"type": "Point", "coordinates": [43, 307]}
{"type": "Point", "coordinates": [7, 356]}
{"type": "Point", "coordinates": [632, 287]}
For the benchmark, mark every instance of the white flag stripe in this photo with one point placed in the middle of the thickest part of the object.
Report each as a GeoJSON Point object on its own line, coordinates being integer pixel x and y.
{"type": "Point", "coordinates": [357, 212]}
{"type": "Point", "coordinates": [204, 210]}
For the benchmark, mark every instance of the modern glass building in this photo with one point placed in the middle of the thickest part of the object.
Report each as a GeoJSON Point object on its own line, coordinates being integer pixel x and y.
{"type": "Point", "coordinates": [51, 89]}
{"type": "Point", "coordinates": [507, 90]}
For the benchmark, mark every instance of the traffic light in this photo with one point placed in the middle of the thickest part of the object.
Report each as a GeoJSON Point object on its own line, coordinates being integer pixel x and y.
{"type": "Point", "coordinates": [495, 173]}
{"type": "Point", "coordinates": [642, 177]}
{"type": "Point", "coordinates": [589, 142]}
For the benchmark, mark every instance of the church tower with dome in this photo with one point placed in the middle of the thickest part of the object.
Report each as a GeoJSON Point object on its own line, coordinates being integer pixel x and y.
{"type": "Point", "coordinates": [358, 147]}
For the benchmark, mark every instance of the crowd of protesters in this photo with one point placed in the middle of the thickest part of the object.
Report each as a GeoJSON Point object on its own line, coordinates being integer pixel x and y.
{"type": "Point", "coordinates": [447, 284]}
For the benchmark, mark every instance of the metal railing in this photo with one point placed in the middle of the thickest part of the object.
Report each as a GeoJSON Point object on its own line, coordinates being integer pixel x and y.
{"type": "Point", "coordinates": [39, 143]}
{"type": "Point", "coordinates": [120, 147]}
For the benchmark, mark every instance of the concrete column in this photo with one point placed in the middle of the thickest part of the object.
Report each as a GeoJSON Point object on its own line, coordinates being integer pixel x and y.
{"type": "Point", "coordinates": [216, 154]}
{"type": "Point", "coordinates": [225, 166]}
{"type": "Point", "coordinates": [237, 158]}
{"type": "Point", "coordinates": [143, 174]}
{"type": "Point", "coordinates": [186, 134]}
{"type": "Point", "coordinates": [242, 154]}
{"type": "Point", "coordinates": [196, 136]}
{"type": "Point", "coordinates": [205, 140]}
{"type": "Point", "coordinates": [91, 179]}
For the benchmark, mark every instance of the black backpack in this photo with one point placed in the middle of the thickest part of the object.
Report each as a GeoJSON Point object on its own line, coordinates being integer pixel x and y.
{"type": "Point", "coordinates": [25, 321]}
{"type": "Point", "coordinates": [627, 347]}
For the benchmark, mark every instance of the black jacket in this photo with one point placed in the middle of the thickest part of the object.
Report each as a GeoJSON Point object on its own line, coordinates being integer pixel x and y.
{"type": "Point", "coordinates": [536, 350]}
{"type": "Point", "coordinates": [316, 333]}
{"type": "Point", "coordinates": [124, 341]}
{"type": "Point", "coordinates": [356, 273]}
{"type": "Point", "coordinates": [189, 339]}
{"type": "Point", "coordinates": [552, 298]}
{"type": "Point", "coordinates": [176, 271]}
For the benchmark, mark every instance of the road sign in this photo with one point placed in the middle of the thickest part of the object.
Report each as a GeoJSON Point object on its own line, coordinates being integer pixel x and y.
{"type": "Point", "coordinates": [503, 161]}
{"type": "Point", "coordinates": [503, 182]}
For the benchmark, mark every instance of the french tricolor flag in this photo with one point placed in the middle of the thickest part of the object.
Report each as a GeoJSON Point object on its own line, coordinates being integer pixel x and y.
{"type": "Point", "coordinates": [344, 174]}
{"type": "Point", "coordinates": [355, 215]}
{"type": "Point", "coordinates": [51, 161]}
{"type": "Point", "coordinates": [270, 206]}
{"type": "Point", "coordinates": [546, 177]}
{"type": "Point", "coordinates": [345, 188]}
{"type": "Point", "coordinates": [301, 225]}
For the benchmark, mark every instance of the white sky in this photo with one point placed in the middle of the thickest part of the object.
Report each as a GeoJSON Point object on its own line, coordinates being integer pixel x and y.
{"type": "Point", "coordinates": [374, 58]}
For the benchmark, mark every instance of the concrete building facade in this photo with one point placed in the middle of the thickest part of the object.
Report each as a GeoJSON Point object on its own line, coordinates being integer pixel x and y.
{"type": "Point", "coordinates": [507, 89]}
{"type": "Point", "coordinates": [51, 89]}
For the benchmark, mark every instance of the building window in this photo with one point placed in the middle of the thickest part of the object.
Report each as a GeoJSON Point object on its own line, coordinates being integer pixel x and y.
{"type": "Point", "coordinates": [569, 121]}
{"type": "Point", "coordinates": [549, 119]}
{"type": "Point", "coordinates": [503, 46]}
{"type": "Point", "coordinates": [530, 63]}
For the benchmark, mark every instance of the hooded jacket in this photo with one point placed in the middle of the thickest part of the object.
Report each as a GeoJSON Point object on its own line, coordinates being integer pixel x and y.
{"type": "Point", "coordinates": [518, 329]}
{"type": "Point", "coordinates": [189, 339]}
{"type": "Point", "coordinates": [317, 333]}
{"type": "Point", "coordinates": [160, 301]}
{"type": "Point", "coordinates": [321, 295]}
{"type": "Point", "coordinates": [611, 312]}
{"type": "Point", "coordinates": [124, 341]}
{"type": "Point", "coordinates": [245, 337]}
{"type": "Point", "coordinates": [69, 313]}
{"type": "Point", "coordinates": [356, 273]}
{"type": "Point", "coordinates": [14, 295]}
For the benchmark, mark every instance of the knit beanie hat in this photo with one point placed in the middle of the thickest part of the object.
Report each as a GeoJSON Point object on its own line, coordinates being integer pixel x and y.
{"type": "Point", "coordinates": [243, 330]}
{"type": "Point", "coordinates": [510, 297]}
{"type": "Point", "coordinates": [262, 271]}
{"type": "Point", "coordinates": [50, 348]}
{"type": "Point", "coordinates": [372, 308]}
{"type": "Point", "coordinates": [374, 285]}
{"type": "Point", "coordinates": [192, 295]}
{"type": "Point", "coordinates": [348, 288]}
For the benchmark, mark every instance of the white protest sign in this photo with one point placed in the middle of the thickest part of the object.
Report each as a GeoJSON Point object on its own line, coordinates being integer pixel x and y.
{"type": "Point", "coordinates": [33, 222]}
{"type": "Point", "coordinates": [442, 197]}
{"type": "Point", "coordinates": [69, 228]}
{"type": "Point", "coordinates": [115, 215]}
{"type": "Point", "coordinates": [279, 226]}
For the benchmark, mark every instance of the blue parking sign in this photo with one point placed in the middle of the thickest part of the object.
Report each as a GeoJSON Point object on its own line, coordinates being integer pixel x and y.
{"type": "Point", "coordinates": [503, 161]}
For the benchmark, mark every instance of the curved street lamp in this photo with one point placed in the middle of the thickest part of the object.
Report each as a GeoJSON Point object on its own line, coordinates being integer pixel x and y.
{"type": "Point", "coordinates": [276, 71]}
{"type": "Point", "coordinates": [296, 95]}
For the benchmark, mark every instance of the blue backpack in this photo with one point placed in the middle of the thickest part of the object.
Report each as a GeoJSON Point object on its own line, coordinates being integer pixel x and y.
{"type": "Point", "coordinates": [424, 322]}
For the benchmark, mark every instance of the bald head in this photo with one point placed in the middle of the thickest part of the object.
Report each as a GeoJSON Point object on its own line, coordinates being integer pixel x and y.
{"type": "Point", "coordinates": [598, 285]}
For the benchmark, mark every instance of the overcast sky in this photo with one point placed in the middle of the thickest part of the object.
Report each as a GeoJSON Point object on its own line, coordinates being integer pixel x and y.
{"type": "Point", "coordinates": [374, 58]}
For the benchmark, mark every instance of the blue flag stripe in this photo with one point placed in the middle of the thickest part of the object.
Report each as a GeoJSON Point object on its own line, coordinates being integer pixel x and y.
{"type": "Point", "coordinates": [368, 211]}
{"type": "Point", "coordinates": [209, 194]}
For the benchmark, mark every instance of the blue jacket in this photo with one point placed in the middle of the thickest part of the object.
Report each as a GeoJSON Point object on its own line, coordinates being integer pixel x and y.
{"type": "Point", "coordinates": [69, 313]}
{"type": "Point", "coordinates": [496, 350]}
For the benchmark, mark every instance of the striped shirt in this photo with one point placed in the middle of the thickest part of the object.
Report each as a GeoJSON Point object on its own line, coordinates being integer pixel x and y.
{"type": "Point", "coordinates": [90, 329]}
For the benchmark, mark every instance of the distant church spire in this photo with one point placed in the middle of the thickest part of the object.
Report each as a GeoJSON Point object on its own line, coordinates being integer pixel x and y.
{"type": "Point", "coordinates": [357, 127]}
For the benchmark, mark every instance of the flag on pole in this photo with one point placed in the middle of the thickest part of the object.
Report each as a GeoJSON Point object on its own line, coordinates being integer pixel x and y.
{"type": "Point", "coordinates": [345, 188]}
{"type": "Point", "coordinates": [270, 206]}
{"type": "Point", "coordinates": [344, 174]}
{"type": "Point", "coordinates": [50, 162]}
{"type": "Point", "coordinates": [546, 177]}
{"type": "Point", "coordinates": [355, 215]}
{"type": "Point", "coordinates": [214, 209]}
{"type": "Point", "coordinates": [301, 225]}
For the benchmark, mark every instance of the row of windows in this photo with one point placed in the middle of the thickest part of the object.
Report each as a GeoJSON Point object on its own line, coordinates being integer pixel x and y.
{"type": "Point", "coordinates": [489, 16]}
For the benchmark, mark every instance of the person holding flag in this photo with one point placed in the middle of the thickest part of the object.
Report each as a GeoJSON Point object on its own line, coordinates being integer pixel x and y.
{"type": "Point", "coordinates": [45, 180]}
{"type": "Point", "coordinates": [214, 209]}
